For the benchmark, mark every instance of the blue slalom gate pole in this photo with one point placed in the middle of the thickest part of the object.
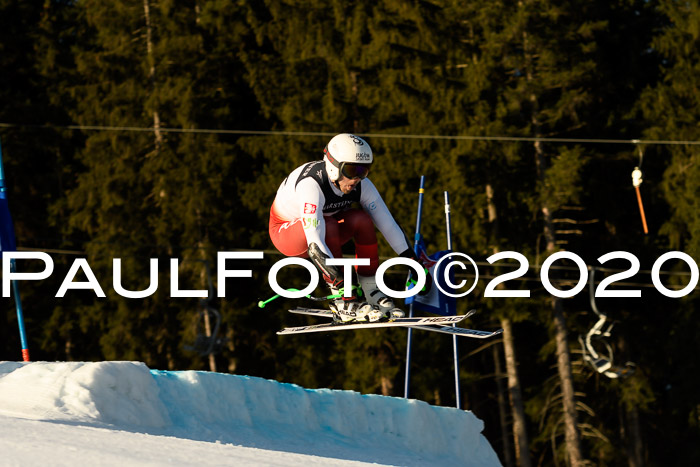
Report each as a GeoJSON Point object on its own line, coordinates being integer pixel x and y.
{"type": "Point", "coordinates": [421, 191]}
{"type": "Point", "coordinates": [7, 243]}
{"type": "Point", "coordinates": [20, 315]}
{"type": "Point", "coordinates": [455, 346]}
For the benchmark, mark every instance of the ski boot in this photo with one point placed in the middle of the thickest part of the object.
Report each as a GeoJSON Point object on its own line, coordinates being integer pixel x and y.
{"type": "Point", "coordinates": [378, 300]}
{"type": "Point", "coordinates": [352, 309]}
{"type": "Point", "coordinates": [345, 309]}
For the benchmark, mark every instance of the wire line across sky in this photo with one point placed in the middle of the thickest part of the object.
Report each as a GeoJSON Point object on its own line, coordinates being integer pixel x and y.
{"type": "Point", "coordinates": [525, 139]}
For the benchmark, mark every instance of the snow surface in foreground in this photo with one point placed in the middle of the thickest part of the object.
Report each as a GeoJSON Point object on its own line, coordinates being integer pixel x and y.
{"type": "Point", "coordinates": [122, 413]}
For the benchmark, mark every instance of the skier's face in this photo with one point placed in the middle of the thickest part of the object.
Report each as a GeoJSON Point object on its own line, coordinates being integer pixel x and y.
{"type": "Point", "coordinates": [346, 185]}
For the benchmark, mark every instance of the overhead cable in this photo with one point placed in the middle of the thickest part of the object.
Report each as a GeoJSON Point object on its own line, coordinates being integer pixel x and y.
{"type": "Point", "coordinates": [521, 139]}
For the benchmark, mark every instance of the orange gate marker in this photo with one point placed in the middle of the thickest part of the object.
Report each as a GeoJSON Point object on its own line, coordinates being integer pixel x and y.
{"type": "Point", "coordinates": [636, 181]}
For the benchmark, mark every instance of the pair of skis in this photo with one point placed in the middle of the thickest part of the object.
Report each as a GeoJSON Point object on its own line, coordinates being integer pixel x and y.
{"type": "Point", "coordinates": [443, 324]}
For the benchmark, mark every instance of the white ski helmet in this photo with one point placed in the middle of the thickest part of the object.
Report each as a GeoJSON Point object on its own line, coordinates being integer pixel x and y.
{"type": "Point", "coordinates": [347, 154]}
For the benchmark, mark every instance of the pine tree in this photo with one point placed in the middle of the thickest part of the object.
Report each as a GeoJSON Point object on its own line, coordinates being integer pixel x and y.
{"type": "Point", "coordinates": [548, 68]}
{"type": "Point", "coordinates": [156, 194]}
{"type": "Point", "coordinates": [670, 109]}
{"type": "Point", "coordinates": [34, 48]}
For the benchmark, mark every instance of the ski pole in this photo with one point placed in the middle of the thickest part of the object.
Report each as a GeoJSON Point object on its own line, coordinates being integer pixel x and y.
{"type": "Point", "coordinates": [341, 292]}
{"type": "Point", "coordinates": [262, 303]}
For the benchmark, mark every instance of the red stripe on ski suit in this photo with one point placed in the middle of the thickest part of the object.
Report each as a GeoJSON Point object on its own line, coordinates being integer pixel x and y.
{"type": "Point", "coordinates": [353, 224]}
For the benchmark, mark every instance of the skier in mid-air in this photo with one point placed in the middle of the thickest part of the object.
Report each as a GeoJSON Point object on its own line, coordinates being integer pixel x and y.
{"type": "Point", "coordinates": [312, 217]}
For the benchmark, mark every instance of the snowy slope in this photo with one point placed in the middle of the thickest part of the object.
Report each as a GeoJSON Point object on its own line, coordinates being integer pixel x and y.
{"type": "Point", "coordinates": [122, 413]}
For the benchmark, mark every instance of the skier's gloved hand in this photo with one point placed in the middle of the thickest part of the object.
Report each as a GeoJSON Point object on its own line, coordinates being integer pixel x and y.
{"type": "Point", "coordinates": [331, 274]}
{"type": "Point", "coordinates": [428, 283]}
{"type": "Point", "coordinates": [409, 253]}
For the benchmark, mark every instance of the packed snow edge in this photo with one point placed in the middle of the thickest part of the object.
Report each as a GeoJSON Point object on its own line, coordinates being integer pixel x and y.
{"type": "Point", "coordinates": [237, 409]}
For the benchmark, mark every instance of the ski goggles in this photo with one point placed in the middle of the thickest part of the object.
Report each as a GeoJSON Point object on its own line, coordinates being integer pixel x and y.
{"type": "Point", "coordinates": [351, 170]}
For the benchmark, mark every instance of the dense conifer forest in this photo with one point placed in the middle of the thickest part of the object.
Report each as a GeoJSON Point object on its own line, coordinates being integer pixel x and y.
{"type": "Point", "coordinates": [157, 129]}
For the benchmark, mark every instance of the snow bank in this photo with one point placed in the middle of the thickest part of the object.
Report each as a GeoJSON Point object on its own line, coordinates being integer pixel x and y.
{"type": "Point", "coordinates": [244, 411]}
{"type": "Point", "coordinates": [118, 393]}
